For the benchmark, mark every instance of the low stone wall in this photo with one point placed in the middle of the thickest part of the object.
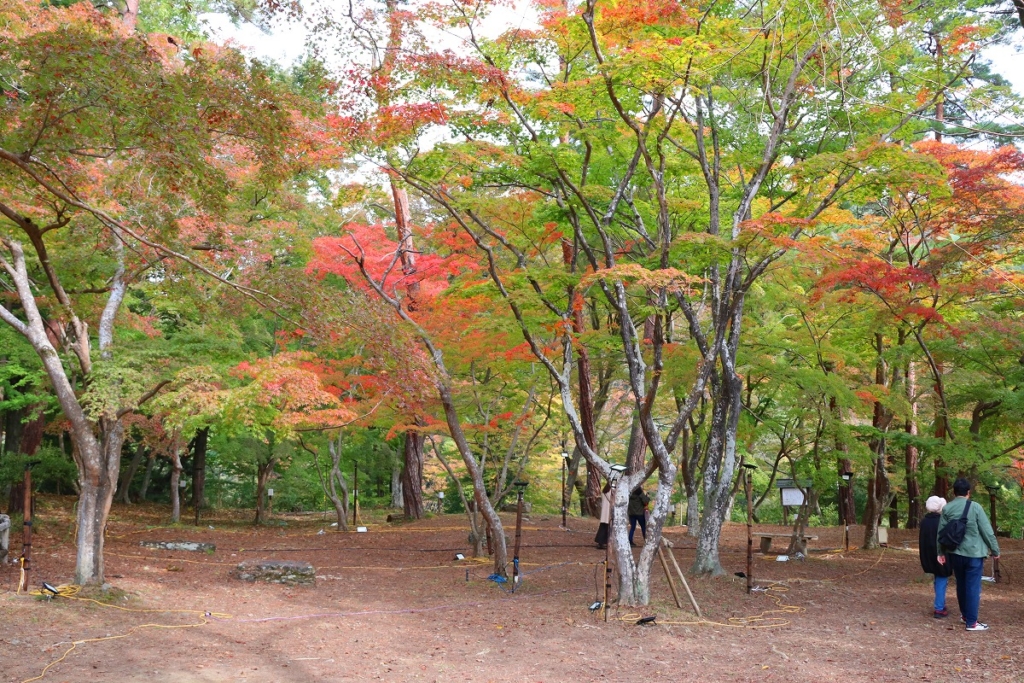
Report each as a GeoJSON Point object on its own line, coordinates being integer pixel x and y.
{"type": "Point", "coordinates": [188, 546]}
{"type": "Point", "coordinates": [276, 571]}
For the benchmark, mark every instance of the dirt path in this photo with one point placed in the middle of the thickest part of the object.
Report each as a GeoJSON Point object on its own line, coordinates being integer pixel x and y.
{"type": "Point", "coordinates": [394, 605]}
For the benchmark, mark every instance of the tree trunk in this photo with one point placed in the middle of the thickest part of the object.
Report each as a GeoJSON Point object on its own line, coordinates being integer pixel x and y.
{"type": "Point", "coordinates": [637, 450]}
{"type": "Point", "coordinates": [941, 487]}
{"type": "Point", "coordinates": [97, 483]}
{"type": "Point", "coordinates": [718, 474]}
{"type": "Point", "coordinates": [911, 454]}
{"type": "Point", "coordinates": [846, 503]}
{"type": "Point", "coordinates": [97, 443]}
{"type": "Point", "coordinates": [147, 477]}
{"type": "Point", "coordinates": [483, 503]}
{"type": "Point", "coordinates": [263, 473]}
{"type": "Point", "coordinates": [32, 433]}
{"type": "Point", "coordinates": [634, 584]}
{"type": "Point", "coordinates": [337, 488]}
{"type": "Point", "coordinates": [590, 502]}
{"type": "Point", "coordinates": [200, 444]}
{"type": "Point", "coordinates": [129, 474]}
{"type": "Point", "coordinates": [412, 476]}
{"type": "Point", "coordinates": [878, 485]}
{"type": "Point", "coordinates": [689, 463]}
{"type": "Point", "coordinates": [175, 488]}
{"type": "Point", "coordinates": [396, 485]}
{"type": "Point", "coordinates": [13, 428]}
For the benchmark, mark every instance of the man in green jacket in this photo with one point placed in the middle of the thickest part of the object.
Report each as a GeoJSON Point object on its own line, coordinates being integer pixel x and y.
{"type": "Point", "coordinates": [968, 557]}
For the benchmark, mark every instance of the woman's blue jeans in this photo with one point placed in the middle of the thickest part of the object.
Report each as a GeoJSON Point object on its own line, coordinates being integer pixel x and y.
{"type": "Point", "coordinates": [940, 592]}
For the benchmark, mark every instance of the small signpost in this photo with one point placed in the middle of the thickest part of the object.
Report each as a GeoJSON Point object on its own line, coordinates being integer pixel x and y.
{"type": "Point", "coordinates": [792, 493]}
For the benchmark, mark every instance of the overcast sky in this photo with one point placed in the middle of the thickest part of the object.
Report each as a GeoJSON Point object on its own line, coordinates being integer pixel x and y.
{"type": "Point", "coordinates": [287, 43]}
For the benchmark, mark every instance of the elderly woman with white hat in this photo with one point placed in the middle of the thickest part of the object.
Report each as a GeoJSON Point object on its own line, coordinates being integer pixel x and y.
{"type": "Point", "coordinates": [929, 550]}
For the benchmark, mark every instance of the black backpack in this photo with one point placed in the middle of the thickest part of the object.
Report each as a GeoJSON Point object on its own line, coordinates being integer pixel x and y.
{"type": "Point", "coordinates": [952, 535]}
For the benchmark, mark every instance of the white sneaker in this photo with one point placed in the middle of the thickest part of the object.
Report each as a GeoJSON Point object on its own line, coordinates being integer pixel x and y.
{"type": "Point", "coordinates": [978, 626]}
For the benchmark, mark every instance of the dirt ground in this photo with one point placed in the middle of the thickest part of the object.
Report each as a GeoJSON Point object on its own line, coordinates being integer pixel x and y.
{"type": "Point", "coordinates": [393, 604]}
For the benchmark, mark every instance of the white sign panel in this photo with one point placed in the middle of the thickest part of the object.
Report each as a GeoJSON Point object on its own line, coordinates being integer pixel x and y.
{"type": "Point", "coordinates": [793, 497]}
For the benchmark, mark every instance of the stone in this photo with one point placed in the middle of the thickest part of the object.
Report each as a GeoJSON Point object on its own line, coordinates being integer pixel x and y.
{"type": "Point", "coordinates": [188, 546]}
{"type": "Point", "coordinates": [514, 506]}
{"type": "Point", "coordinates": [276, 571]}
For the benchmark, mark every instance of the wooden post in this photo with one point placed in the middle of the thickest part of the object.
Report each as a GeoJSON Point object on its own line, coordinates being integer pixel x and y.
{"type": "Point", "coordinates": [748, 486]}
{"type": "Point", "coordinates": [26, 527]}
{"type": "Point", "coordinates": [668, 576]}
{"type": "Point", "coordinates": [519, 536]}
{"type": "Point", "coordinates": [564, 502]}
{"type": "Point", "coordinates": [682, 578]}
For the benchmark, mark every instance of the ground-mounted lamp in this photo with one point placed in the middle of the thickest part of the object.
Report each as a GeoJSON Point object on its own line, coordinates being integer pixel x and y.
{"type": "Point", "coordinates": [748, 487]}
{"type": "Point", "coordinates": [847, 478]}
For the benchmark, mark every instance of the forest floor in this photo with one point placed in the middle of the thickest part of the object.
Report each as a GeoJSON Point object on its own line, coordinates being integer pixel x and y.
{"type": "Point", "coordinates": [393, 604]}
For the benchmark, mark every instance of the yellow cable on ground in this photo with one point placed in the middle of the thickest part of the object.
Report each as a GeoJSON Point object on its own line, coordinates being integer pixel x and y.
{"type": "Point", "coordinates": [71, 591]}
{"type": "Point", "coordinates": [873, 565]}
{"type": "Point", "coordinates": [129, 632]}
{"type": "Point", "coordinates": [758, 621]}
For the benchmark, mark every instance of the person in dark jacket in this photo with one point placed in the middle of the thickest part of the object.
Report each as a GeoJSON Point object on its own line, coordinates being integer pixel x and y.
{"type": "Point", "coordinates": [929, 550]}
{"type": "Point", "coordinates": [637, 510]}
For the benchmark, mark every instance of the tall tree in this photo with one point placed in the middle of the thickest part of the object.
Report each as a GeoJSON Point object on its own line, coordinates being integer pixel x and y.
{"type": "Point", "coordinates": [106, 149]}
